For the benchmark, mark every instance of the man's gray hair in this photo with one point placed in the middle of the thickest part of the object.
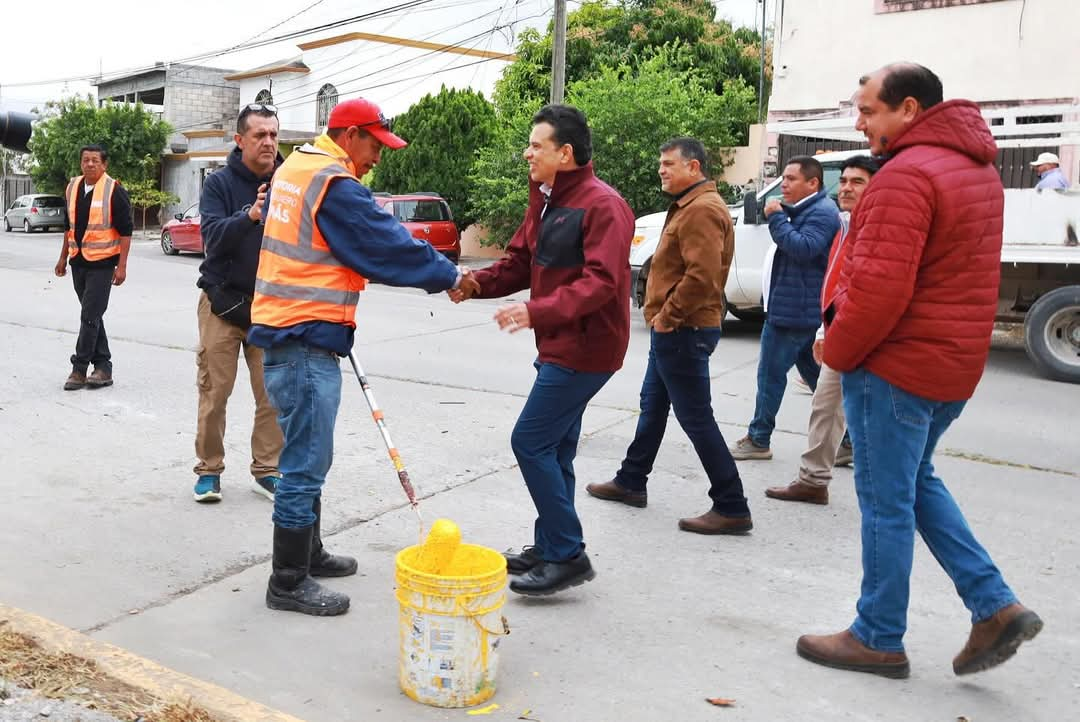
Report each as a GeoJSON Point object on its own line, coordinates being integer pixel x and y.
{"type": "Point", "coordinates": [690, 149]}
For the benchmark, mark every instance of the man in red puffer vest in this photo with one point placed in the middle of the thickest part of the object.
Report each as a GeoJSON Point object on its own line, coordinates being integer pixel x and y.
{"type": "Point", "coordinates": [909, 327]}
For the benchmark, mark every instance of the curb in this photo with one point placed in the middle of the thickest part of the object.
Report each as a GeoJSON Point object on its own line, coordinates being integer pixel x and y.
{"type": "Point", "coordinates": [164, 683]}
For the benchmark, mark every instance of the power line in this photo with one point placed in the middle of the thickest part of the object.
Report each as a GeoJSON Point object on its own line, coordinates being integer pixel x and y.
{"type": "Point", "coordinates": [293, 101]}
{"type": "Point", "coordinates": [408, 5]}
{"type": "Point", "coordinates": [297, 101]}
{"type": "Point", "coordinates": [278, 100]}
{"type": "Point", "coordinates": [389, 11]}
{"type": "Point", "coordinates": [260, 33]}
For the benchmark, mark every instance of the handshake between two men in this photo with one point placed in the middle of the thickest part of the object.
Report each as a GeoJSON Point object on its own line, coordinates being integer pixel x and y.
{"type": "Point", "coordinates": [512, 317]}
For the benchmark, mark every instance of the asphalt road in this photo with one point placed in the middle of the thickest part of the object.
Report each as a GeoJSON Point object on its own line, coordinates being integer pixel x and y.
{"type": "Point", "coordinates": [99, 531]}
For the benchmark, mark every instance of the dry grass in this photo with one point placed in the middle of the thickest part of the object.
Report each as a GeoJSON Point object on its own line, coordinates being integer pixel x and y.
{"type": "Point", "coordinates": [61, 676]}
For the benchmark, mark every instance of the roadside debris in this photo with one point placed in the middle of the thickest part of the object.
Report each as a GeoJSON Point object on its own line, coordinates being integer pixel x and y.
{"type": "Point", "coordinates": [483, 710]}
{"type": "Point", "coordinates": [720, 701]}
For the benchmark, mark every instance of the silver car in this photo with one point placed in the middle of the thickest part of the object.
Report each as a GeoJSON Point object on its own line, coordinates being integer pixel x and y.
{"type": "Point", "coordinates": [36, 212]}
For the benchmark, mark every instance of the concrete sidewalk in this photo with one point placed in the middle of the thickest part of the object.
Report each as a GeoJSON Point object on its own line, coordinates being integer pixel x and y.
{"type": "Point", "coordinates": [671, 619]}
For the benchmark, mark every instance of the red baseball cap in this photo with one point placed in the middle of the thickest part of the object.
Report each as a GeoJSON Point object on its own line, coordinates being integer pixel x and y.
{"type": "Point", "coordinates": [364, 114]}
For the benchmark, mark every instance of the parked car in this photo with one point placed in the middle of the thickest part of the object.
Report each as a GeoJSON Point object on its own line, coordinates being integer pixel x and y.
{"type": "Point", "coordinates": [427, 217]}
{"type": "Point", "coordinates": [36, 212]}
{"type": "Point", "coordinates": [182, 233]}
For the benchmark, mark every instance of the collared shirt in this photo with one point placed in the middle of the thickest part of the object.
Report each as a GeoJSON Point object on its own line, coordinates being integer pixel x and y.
{"type": "Point", "coordinates": [1052, 179]}
{"type": "Point", "coordinates": [546, 190]}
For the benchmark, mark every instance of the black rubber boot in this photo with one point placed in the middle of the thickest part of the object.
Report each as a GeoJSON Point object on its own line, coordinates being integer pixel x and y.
{"type": "Point", "coordinates": [290, 587]}
{"type": "Point", "coordinates": [323, 563]}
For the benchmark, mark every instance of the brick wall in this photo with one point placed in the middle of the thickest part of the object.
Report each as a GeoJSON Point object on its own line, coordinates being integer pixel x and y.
{"type": "Point", "coordinates": [199, 98]}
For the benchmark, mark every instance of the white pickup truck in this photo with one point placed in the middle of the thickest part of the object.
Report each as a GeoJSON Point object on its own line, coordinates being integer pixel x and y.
{"type": "Point", "coordinates": [1040, 266]}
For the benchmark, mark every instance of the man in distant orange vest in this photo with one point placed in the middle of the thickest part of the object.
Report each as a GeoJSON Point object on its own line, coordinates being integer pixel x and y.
{"type": "Point", "coordinates": [324, 234]}
{"type": "Point", "coordinates": [97, 239]}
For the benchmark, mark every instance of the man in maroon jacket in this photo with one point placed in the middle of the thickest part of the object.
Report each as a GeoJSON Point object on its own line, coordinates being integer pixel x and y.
{"type": "Point", "coordinates": [573, 253]}
{"type": "Point", "coordinates": [909, 328]}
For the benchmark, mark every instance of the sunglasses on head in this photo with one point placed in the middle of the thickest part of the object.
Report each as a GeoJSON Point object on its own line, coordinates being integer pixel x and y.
{"type": "Point", "coordinates": [259, 108]}
{"type": "Point", "coordinates": [382, 121]}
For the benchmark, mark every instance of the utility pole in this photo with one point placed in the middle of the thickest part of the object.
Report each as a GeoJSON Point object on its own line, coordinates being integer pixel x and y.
{"type": "Point", "coordinates": [761, 69]}
{"type": "Point", "coordinates": [3, 169]}
{"type": "Point", "coordinates": [558, 53]}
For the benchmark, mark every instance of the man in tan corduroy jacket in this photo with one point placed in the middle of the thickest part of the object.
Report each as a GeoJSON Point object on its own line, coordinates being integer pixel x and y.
{"type": "Point", "coordinates": [684, 306]}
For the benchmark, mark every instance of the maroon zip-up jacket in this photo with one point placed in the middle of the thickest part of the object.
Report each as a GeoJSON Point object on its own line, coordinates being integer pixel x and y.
{"type": "Point", "coordinates": [575, 259]}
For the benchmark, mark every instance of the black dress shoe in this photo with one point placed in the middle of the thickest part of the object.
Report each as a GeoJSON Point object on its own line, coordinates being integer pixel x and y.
{"type": "Point", "coordinates": [550, 577]}
{"type": "Point", "coordinates": [523, 562]}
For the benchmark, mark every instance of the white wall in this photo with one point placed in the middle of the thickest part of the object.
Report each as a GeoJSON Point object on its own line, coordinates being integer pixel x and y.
{"type": "Point", "coordinates": [182, 177]}
{"type": "Point", "coordinates": [384, 74]}
{"type": "Point", "coordinates": [981, 52]}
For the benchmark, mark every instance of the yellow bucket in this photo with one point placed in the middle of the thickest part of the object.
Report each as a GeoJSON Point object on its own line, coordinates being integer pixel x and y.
{"type": "Point", "coordinates": [451, 626]}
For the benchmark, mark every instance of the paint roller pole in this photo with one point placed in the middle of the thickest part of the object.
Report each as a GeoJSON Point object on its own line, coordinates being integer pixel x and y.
{"type": "Point", "coordinates": [377, 414]}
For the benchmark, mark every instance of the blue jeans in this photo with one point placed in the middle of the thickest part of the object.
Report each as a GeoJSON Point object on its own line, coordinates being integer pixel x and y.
{"type": "Point", "coordinates": [304, 385]}
{"type": "Point", "coordinates": [894, 435]}
{"type": "Point", "coordinates": [545, 441]}
{"type": "Point", "coordinates": [678, 376]}
{"type": "Point", "coordinates": [781, 348]}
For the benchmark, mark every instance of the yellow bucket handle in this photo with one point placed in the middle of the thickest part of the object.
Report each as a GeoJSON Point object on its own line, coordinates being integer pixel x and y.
{"type": "Point", "coordinates": [475, 615]}
{"type": "Point", "coordinates": [472, 614]}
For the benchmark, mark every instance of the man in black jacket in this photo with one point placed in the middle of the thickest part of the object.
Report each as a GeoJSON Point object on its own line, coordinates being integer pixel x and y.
{"type": "Point", "coordinates": [231, 208]}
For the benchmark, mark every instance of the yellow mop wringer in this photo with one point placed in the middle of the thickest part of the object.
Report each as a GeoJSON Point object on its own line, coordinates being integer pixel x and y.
{"type": "Point", "coordinates": [450, 595]}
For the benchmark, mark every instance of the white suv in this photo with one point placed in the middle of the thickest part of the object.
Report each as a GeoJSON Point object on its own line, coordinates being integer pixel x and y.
{"type": "Point", "coordinates": [752, 240]}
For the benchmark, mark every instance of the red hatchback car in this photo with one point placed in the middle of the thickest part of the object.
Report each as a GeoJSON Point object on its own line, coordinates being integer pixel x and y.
{"type": "Point", "coordinates": [427, 217]}
{"type": "Point", "coordinates": [182, 233]}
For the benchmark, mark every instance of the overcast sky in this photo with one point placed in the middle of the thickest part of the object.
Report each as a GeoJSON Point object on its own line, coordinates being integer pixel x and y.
{"type": "Point", "coordinates": [78, 40]}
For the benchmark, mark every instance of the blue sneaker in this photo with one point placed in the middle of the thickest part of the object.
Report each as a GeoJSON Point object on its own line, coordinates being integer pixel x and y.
{"type": "Point", "coordinates": [266, 486]}
{"type": "Point", "coordinates": [208, 488]}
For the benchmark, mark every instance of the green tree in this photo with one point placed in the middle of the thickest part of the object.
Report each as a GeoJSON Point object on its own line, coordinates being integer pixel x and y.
{"type": "Point", "coordinates": [12, 162]}
{"type": "Point", "coordinates": [444, 132]}
{"type": "Point", "coordinates": [144, 194]}
{"type": "Point", "coordinates": [631, 115]}
{"type": "Point", "coordinates": [498, 183]}
{"type": "Point", "coordinates": [603, 34]}
{"type": "Point", "coordinates": [128, 132]}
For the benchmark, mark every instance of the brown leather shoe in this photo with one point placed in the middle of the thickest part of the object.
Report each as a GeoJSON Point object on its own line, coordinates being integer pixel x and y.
{"type": "Point", "coordinates": [799, 491]}
{"type": "Point", "coordinates": [99, 378]}
{"type": "Point", "coordinates": [994, 640]}
{"type": "Point", "coordinates": [610, 491]}
{"type": "Point", "coordinates": [712, 522]}
{"type": "Point", "coordinates": [75, 381]}
{"type": "Point", "coordinates": [843, 651]}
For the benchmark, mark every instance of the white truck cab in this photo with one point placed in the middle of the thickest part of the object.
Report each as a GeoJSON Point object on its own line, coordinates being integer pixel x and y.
{"type": "Point", "coordinates": [1040, 265]}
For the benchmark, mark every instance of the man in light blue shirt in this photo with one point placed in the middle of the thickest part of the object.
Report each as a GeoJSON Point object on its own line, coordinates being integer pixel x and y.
{"type": "Point", "coordinates": [1051, 176]}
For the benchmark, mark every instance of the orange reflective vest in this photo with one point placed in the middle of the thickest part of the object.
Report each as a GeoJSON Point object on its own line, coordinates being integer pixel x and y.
{"type": "Point", "coordinates": [299, 279]}
{"type": "Point", "coordinates": [100, 240]}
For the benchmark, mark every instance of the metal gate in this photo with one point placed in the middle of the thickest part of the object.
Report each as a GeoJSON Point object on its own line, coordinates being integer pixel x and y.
{"type": "Point", "coordinates": [12, 187]}
{"type": "Point", "coordinates": [1014, 164]}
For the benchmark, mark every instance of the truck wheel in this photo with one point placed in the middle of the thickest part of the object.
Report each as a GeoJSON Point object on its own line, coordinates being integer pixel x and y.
{"type": "Point", "coordinates": [642, 280]}
{"type": "Point", "coordinates": [1052, 334]}
{"type": "Point", "coordinates": [747, 315]}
